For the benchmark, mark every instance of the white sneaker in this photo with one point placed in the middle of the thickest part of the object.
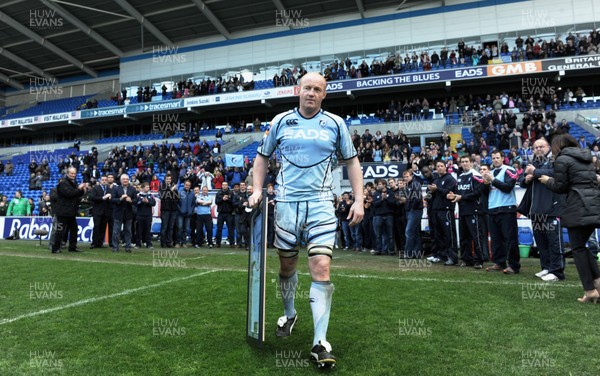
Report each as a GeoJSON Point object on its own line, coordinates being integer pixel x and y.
{"type": "Point", "coordinates": [550, 278]}
{"type": "Point", "coordinates": [430, 258]}
{"type": "Point", "coordinates": [542, 273]}
{"type": "Point", "coordinates": [435, 260]}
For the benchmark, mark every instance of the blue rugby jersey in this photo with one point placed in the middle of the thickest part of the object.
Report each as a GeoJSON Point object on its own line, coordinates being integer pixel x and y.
{"type": "Point", "coordinates": [307, 148]}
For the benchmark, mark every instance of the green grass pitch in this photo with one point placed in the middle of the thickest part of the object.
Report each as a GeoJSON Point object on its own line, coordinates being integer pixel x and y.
{"type": "Point", "coordinates": [183, 312]}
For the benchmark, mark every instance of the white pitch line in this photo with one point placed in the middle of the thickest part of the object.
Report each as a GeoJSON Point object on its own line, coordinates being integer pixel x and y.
{"type": "Point", "coordinates": [99, 298]}
{"type": "Point", "coordinates": [437, 280]}
{"type": "Point", "coordinates": [334, 275]}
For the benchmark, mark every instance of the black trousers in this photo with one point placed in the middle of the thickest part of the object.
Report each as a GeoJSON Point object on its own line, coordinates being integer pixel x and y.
{"type": "Point", "coordinates": [368, 235]}
{"type": "Point", "coordinates": [587, 266]}
{"type": "Point", "coordinates": [242, 229]}
{"type": "Point", "coordinates": [204, 223]}
{"type": "Point", "coordinates": [505, 238]}
{"type": "Point", "coordinates": [472, 238]}
{"type": "Point", "coordinates": [443, 229]}
{"type": "Point", "coordinates": [193, 227]}
{"type": "Point", "coordinates": [66, 225]}
{"type": "Point", "coordinates": [167, 219]}
{"type": "Point", "coordinates": [100, 223]}
{"type": "Point", "coordinates": [486, 244]}
{"type": "Point", "coordinates": [271, 228]}
{"type": "Point", "coordinates": [144, 236]}
{"type": "Point", "coordinates": [432, 235]}
{"type": "Point", "coordinates": [228, 219]}
{"type": "Point", "coordinates": [399, 231]}
{"type": "Point", "coordinates": [548, 238]}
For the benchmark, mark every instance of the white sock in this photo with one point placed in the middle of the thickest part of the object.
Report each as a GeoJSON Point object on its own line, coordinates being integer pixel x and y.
{"type": "Point", "coordinates": [320, 304]}
{"type": "Point", "coordinates": [287, 286]}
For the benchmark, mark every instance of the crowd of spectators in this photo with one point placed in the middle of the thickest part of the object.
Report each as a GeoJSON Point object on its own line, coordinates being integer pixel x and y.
{"type": "Point", "coordinates": [523, 49]}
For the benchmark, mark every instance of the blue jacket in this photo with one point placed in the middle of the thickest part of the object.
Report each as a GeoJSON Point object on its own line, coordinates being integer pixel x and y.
{"type": "Point", "coordinates": [185, 205]}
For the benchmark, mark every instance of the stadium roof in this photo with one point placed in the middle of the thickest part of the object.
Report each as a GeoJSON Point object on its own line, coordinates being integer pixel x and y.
{"type": "Point", "coordinates": [62, 38]}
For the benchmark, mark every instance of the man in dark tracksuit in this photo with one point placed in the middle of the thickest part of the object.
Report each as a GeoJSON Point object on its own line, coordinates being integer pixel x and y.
{"type": "Point", "coordinates": [545, 207]}
{"type": "Point", "coordinates": [502, 207]}
{"type": "Point", "coordinates": [398, 215]}
{"type": "Point", "coordinates": [470, 202]}
{"type": "Point", "coordinates": [169, 199]}
{"type": "Point", "coordinates": [383, 224]}
{"type": "Point", "coordinates": [413, 203]}
{"type": "Point", "coordinates": [442, 215]}
{"type": "Point", "coordinates": [224, 201]}
{"type": "Point", "coordinates": [486, 218]}
{"type": "Point", "coordinates": [425, 177]}
{"type": "Point", "coordinates": [242, 220]}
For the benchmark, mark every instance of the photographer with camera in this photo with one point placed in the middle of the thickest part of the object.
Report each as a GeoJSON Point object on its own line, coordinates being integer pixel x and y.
{"type": "Point", "coordinates": [144, 204]}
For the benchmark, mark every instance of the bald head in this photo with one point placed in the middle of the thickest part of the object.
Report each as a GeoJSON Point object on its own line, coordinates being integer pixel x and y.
{"type": "Point", "coordinates": [312, 93]}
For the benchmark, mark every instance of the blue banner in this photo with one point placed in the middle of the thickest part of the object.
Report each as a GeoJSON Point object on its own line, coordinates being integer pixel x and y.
{"type": "Point", "coordinates": [407, 79]}
{"type": "Point", "coordinates": [101, 112]}
{"type": "Point", "coordinates": [155, 106]}
{"type": "Point", "coordinates": [26, 227]}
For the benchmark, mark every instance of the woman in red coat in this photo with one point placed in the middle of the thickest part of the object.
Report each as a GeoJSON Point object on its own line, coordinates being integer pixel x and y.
{"type": "Point", "coordinates": [218, 180]}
